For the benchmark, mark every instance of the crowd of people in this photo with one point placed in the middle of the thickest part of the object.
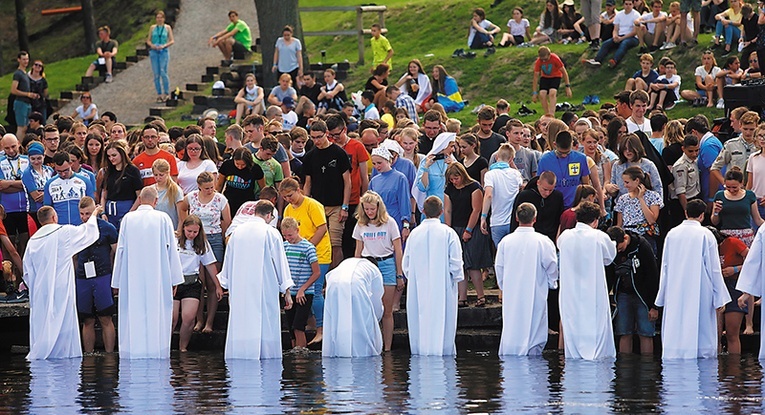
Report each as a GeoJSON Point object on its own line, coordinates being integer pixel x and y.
{"type": "Point", "coordinates": [393, 197]}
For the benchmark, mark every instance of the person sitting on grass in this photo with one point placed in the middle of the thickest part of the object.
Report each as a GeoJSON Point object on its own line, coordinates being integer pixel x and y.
{"type": "Point", "coordinates": [549, 23]}
{"type": "Point", "coordinates": [676, 32]}
{"type": "Point", "coordinates": [106, 49]}
{"type": "Point", "coordinates": [728, 23]}
{"type": "Point", "coordinates": [623, 39]}
{"type": "Point", "coordinates": [569, 17]}
{"type": "Point", "coordinates": [705, 82]}
{"type": "Point", "coordinates": [517, 30]}
{"type": "Point", "coordinates": [482, 31]}
{"type": "Point", "coordinates": [730, 75]}
{"type": "Point", "coordinates": [650, 27]}
{"type": "Point", "coordinates": [664, 92]}
{"type": "Point", "coordinates": [550, 68]}
{"type": "Point", "coordinates": [643, 78]}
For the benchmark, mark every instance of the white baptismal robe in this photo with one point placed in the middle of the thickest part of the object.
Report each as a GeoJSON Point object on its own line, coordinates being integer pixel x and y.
{"type": "Point", "coordinates": [691, 287]}
{"type": "Point", "coordinates": [751, 280]}
{"type": "Point", "coordinates": [526, 267]}
{"type": "Point", "coordinates": [146, 267]}
{"type": "Point", "coordinates": [585, 311]}
{"type": "Point", "coordinates": [433, 265]}
{"type": "Point", "coordinates": [54, 331]}
{"type": "Point", "coordinates": [352, 310]}
{"type": "Point", "coordinates": [255, 271]}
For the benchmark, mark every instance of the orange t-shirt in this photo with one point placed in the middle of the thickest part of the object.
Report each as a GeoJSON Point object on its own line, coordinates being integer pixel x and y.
{"type": "Point", "coordinates": [144, 161]}
{"type": "Point", "coordinates": [550, 68]}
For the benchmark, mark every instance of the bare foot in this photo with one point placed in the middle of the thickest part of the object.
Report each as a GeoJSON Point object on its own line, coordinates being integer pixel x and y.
{"type": "Point", "coordinates": [198, 327]}
{"type": "Point", "coordinates": [207, 330]}
{"type": "Point", "coordinates": [748, 331]}
{"type": "Point", "coordinates": [552, 332]}
{"type": "Point", "coordinates": [317, 338]}
{"type": "Point", "coordinates": [184, 350]}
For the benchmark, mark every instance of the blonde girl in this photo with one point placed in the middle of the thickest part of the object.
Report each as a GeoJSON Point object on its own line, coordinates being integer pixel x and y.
{"type": "Point", "coordinates": [170, 194]}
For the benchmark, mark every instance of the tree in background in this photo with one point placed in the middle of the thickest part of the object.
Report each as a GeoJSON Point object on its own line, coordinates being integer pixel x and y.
{"type": "Point", "coordinates": [89, 23]}
{"type": "Point", "coordinates": [21, 25]}
{"type": "Point", "coordinates": [272, 16]}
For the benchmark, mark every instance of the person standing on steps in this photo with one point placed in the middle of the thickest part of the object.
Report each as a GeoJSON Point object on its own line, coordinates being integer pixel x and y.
{"type": "Point", "coordinates": [106, 49]}
{"type": "Point", "coordinates": [235, 39]}
{"type": "Point", "coordinates": [20, 88]}
{"type": "Point", "coordinates": [160, 38]}
{"type": "Point", "coordinates": [288, 56]}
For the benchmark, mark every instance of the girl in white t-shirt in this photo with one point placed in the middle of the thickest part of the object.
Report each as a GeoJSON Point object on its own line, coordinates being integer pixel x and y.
{"type": "Point", "coordinates": [377, 237]}
{"type": "Point", "coordinates": [195, 252]}
{"type": "Point", "coordinates": [705, 82]}
{"type": "Point", "coordinates": [517, 28]}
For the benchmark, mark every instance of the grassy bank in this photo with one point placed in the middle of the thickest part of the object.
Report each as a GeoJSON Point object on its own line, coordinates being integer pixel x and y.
{"type": "Point", "coordinates": [431, 31]}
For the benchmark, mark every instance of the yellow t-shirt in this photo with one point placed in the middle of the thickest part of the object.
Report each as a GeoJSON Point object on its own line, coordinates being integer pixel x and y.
{"type": "Point", "coordinates": [732, 16]}
{"type": "Point", "coordinates": [380, 48]}
{"type": "Point", "coordinates": [310, 215]}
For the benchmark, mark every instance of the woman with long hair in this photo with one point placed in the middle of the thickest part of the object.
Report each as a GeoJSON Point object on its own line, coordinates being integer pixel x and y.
{"type": "Point", "coordinates": [637, 210]}
{"type": "Point", "coordinates": [239, 177]}
{"type": "Point", "coordinates": [705, 82]}
{"type": "Point", "coordinates": [160, 38]}
{"type": "Point", "coordinates": [475, 165]}
{"type": "Point", "coordinates": [122, 184]}
{"type": "Point", "coordinates": [39, 85]}
{"type": "Point", "coordinates": [416, 84]}
{"type": "Point", "coordinates": [249, 99]}
{"type": "Point", "coordinates": [377, 83]}
{"type": "Point", "coordinates": [195, 161]}
{"type": "Point", "coordinates": [447, 92]}
{"type": "Point", "coordinates": [549, 23]}
{"type": "Point", "coordinates": [95, 152]}
{"type": "Point", "coordinates": [631, 153]}
{"type": "Point", "coordinates": [169, 193]}
{"type": "Point", "coordinates": [463, 201]}
{"type": "Point", "coordinates": [377, 236]}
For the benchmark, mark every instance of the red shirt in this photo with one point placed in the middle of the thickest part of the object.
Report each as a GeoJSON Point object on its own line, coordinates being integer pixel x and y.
{"type": "Point", "coordinates": [550, 68]}
{"type": "Point", "coordinates": [731, 251]}
{"type": "Point", "coordinates": [357, 154]}
{"type": "Point", "coordinates": [144, 161]}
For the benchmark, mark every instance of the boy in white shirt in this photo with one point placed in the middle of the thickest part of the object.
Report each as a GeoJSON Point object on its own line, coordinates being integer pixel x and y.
{"type": "Point", "coordinates": [650, 27]}
{"type": "Point", "coordinates": [624, 37]}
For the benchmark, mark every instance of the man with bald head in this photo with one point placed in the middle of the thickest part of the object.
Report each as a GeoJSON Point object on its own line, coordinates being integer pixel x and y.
{"type": "Point", "coordinates": [12, 194]}
{"type": "Point", "coordinates": [147, 267]}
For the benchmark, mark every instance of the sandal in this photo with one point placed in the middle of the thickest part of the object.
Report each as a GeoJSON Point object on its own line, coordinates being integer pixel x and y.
{"type": "Point", "coordinates": [480, 302]}
{"type": "Point", "coordinates": [462, 303]}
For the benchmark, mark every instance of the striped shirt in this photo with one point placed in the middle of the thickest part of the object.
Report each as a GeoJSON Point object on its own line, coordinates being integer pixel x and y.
{"type": "Point", "coordinates": [300, 256]}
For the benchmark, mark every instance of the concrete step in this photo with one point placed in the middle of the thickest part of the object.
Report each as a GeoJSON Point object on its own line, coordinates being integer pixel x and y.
{"type": "Point", "coordinates": [160, 111]}
{"type": "Point", "coordinates": [195, 87]}
{"type": "Point", "coordinates": [142, 52]}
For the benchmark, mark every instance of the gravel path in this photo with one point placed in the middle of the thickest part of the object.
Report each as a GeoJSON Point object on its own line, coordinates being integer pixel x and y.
{"type": "Point", "coordinates": [132, 93]}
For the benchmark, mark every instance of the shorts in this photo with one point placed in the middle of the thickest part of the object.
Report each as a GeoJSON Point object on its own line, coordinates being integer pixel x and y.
{"type": "Point", "coordinates": [297, 316]}
{"type": "Point", "coordinates": [216, 243]}
{"type": "Point", "coordinates": [102, 66]}
{"type": "Point", "coordinates": [631, 313]}
{"type": "Point", "coordinates": [591, 11]}
{"type": "Point", "coordinates": [546, 84]}
{"type": "Point", "coordinates": [688, 5]}
{"type": "Point", "coordinates": [732, 306]}
{"type": "Point", "coordinates": [518, 39]}
{"type": "Point", "coordinates": [94, 296]}
{"type": "Point", "coordinates": [388, 270]}
{"type": "Point", "coordinates": [238, 49]}
{"type": "Point", "coordinates": [193, 290]}
{"type": "Point", "coordinates": [16, 223]}
{"type": "Point", "coordinates": [702, 93]}
{"type": "Point", "coordinates": [21, 111]}
{"type": "Point", "coordinates": [649, 37]}
{"type": "Point", "coordinates": [334, 225]}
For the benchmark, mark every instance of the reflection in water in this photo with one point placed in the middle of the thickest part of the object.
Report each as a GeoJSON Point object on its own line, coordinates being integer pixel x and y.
{"type": "Point", "coordinates": [254, 386]}
{"type": "Point", "coordinates": [433, 383]}
{"type": "Point", "coordinates": [144, 386]}
{"type": "Point", "coordinates": [53, 386]}
{"type": "Point", "coordinates": [394, 383]}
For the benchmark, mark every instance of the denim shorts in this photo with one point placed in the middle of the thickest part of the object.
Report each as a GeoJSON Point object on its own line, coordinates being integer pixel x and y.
{"type": "Point", "coordinates": [216, 243]}
{"type": "Point", "coordinates": [21, 111]}
{"type": "Point", "coordinates": [388, 270]}
{"type": "Point", "coordinates": [631, 313]}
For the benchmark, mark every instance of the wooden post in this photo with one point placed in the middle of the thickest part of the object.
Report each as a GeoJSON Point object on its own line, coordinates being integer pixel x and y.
{"type": "Point", "coordinates": [360, 28]}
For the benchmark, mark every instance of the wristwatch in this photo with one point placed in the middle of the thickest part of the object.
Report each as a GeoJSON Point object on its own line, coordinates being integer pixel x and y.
{"type": "Point", "coordinates": [344, 207]}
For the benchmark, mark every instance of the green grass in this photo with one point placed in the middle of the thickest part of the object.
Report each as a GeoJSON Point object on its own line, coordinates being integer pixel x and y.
{"type": "Point", "coordinates": [431, 31]}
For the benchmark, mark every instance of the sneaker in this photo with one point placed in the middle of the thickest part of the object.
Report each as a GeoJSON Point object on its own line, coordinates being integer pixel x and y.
{"type": "Point", "coordinates": [726, 54]}
{"type": "Point", "coordinates": [587, 100]}
{"type": "Point", "coordinates": [458, 53]}
{"type": "Point", "coordinates": [595, 45]}
{"type": "Point", "coordinates": [720, 104]}
{"type": "Point", "coordinates": [16, 297]}
{"type": "Point", "coordinates": [477, 109]}
{"type": "Point", "coordinates": [109, 78]}
{"type": "Point", "coordinates": [469, 55]}
{"type": "Point", "coordinates": [652, 48]}
{"type": "Point", "coordinates": [580, 41]}
{"type": "Point", "coordinates": [670, 106]}
{"type": "Point", "coordinates": [667, 46]}
{"type": "Point", "coordinates": [490, 51]}
{"type": "Point", "coordinates": [592, 63]}
{"type": "Point", "coordinates": [692, 43]}
{"type": "Point", "coordinates": [594, 100]}
{"type": "Point", "coordinates": [612, 63]}
{"type": "Point", "coordinates": [643, 49]}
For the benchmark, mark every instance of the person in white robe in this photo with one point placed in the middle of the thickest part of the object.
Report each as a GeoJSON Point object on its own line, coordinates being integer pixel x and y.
{"type": "Point", "coordinates": [585, 310]}
{"type": "Point", "coordinates": [54, 330]}
{"type": "Point", "coordinates": [147, 267]}
{"type": "Point", "coordinates": [691, 288]}
{"type": "Point", "coordinates": [353, 309]}
{"type": "Point", "coordinates": [526, 267]}
{"type": "Point", "coordinates": [433, 265]}
{"type": "Point", "coordinates": [751, 280]}
{"type": "Point", "coordinates": [255, 271]}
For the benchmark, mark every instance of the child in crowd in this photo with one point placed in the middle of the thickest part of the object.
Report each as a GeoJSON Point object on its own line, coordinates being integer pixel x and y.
{"type": "Point", "coordinates": [195, 252]}
{"type": "Point", "coordinates": [643, 78]}
{"type": "Point", "coordinates": [370, 111]}
{"type": "Point", "coordinates": [686, 185]}
{"type": "Point", "coordinates": [675, 32]}
{"type": "Point", "coordinates": [517, 30]}
{"type": "Point", "coordinates": [584, 193]}
{"type": "Point", "coordinates": [665, 91]}
{"type": "Point", "coordinates": [550, 68]}
{"type": "Point", "coordinates": [304, 268]}
{"type": "Point", "coordinates": [332, 95]}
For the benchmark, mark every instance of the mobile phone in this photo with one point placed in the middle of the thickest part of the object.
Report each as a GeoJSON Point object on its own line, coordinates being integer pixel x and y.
{"type": "Point", "coordinates": [439, 156]}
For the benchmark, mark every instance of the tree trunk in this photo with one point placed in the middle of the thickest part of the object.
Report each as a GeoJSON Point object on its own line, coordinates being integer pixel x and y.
{"type": "Point", "coordinates": [21, 26]}
{"type": "Point", "coordinates": [273, 15]}
{"type": "Point", "coordinates": [89, 24]}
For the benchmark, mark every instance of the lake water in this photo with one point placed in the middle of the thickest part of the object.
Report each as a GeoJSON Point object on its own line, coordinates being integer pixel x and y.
{"type": "Point", "coordinates": [202, 382]}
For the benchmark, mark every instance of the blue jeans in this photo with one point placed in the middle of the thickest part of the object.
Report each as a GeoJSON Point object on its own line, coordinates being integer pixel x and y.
{"type": "Point", "coordinates": [159, 60]}
{"type": "Point", "coordinates": [621, 48]}
{"type": "Point", "coordinates": [732, 33]}
{"type": "Point", "coordinates": [498, 232]}
{"type": "Point", "coordinates": [318, 296]}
